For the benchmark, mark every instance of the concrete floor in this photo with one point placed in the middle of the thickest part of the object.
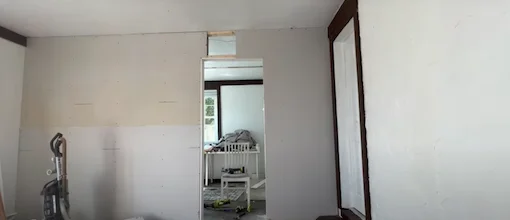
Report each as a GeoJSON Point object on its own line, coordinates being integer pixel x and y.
{"type": "Point", "coordinates": [258, 212]}
{"type": "Point", "coordinates": [258, 197]}
{"type": "Point", "coordinates": [256, 194]}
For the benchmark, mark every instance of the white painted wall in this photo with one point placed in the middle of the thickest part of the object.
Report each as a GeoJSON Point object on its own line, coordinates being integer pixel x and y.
{"type": "Point", "coordinates": [130, 109]}
{"type": "Point", "coordinates": [242, 107]}
{"type": "Point", "coordinates": [436, 77]}
{"type": "Point", "coordinates": [12, 57]}
{"type": "Point", "coordinates": [299, 133]}
{"type": "Point", "coordinates": [349, 139]}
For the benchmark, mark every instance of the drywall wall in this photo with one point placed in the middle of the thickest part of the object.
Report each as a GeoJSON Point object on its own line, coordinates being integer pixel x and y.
{"type": "Point", "coordinates": [436, 79]}
{"type": "Point", "coordinates": [299, 134]}
{"type": "Point", "coordinates": [349, 139]}
{"type": "Point", "coordinates": [108, 95]}
{"type": "Point", "coordinates": [12, 58]}
{"type": "Point", "coordinates": [130, 109]}
{"type": "Point", "coordinates": [242, 107]}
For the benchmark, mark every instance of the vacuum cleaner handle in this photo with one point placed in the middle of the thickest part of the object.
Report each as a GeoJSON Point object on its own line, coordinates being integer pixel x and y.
{"type": "Point", "coordinates": [55, 143]}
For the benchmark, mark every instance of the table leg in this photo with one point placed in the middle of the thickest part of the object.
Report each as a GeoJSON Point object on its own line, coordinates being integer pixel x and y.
{"type": "Point", "coordinates": [257, 165]}
{"type": "Point", "coordinates": [206, 169]}
{"type": "Point", "coordinates": [212, 168]}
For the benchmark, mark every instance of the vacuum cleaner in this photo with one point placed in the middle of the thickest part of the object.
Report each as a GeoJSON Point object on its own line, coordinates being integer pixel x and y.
{"type": "Point", "coordinates": [55, 194]}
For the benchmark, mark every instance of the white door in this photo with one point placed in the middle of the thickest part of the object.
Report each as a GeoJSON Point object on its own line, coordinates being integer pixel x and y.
{"type": "Point", "coordinates": [349, 139]}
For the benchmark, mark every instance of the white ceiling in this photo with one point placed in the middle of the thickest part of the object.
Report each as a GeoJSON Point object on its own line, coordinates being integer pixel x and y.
{"type": "Point", "coordinates": [233, 70]}
{"type": "Point", "coordinates": [42, 18]}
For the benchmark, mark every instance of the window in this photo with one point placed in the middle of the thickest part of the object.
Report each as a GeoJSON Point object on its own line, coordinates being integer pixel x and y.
{"type": "Point", "coordinates": [210, 116]}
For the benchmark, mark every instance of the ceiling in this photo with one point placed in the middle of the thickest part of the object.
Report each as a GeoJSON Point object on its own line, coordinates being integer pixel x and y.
{"type": "Point", "coordinates": [43, 18]}
{"type": "Point", "coordinates": [233, 70]}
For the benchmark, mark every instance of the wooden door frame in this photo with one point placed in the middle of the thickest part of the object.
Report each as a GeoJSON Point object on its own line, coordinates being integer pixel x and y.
{"type": "Point", "coordinates": [348, 11]}
{"type": "Point", "coordinates": [13, 36]}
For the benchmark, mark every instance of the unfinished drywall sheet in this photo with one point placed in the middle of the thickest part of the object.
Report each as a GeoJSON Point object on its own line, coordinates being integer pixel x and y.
{"type": "Point", "coordinates": [436, 78]}
{"type": "Point", "coordinates": [12, 57]}
{"type": "Point", "coordinates": [299, 130]}
{"type": "Point", "coordinates": [130, 109]}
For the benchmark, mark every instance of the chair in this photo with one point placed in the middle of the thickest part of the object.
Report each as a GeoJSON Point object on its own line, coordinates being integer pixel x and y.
{"type": "Point", "coordinates": [237, 156]}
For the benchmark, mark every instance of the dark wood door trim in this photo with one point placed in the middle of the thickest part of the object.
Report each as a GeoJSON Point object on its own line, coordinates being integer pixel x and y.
{"type": "Point", "coordinates": [217, 84]}
{"type": "Point", "coordinates": [13, 36]}
{"type": "Point", "coordinates": [349, 215]}
{"type": "Point", "coordinates": [335, 126]}
{"type": "Point", "coordinates": [363, 128]}
{"type": "Point", "coordinates": [348, 11]}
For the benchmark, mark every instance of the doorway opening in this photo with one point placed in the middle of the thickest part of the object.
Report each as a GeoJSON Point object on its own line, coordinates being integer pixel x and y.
{"type": "Point", "coordinates": [348, 101]}
{"type": "Point", "coordinates": [233, 137]}
{"type": "Point", "coordinates": [348, 121]}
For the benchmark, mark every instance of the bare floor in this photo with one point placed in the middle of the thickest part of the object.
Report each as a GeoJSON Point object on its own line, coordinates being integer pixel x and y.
{"type": "Point", "coordinates": [258, 204]}
{"type": "Point", "coordinates": [258, 212]}
{"type": "Point", "coordinates": [256, 194]}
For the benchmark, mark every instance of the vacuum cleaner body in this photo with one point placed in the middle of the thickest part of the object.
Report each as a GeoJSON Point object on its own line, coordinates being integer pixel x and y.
{"type": "Point", "coordinates": [55, 193]}
{"type": "Point", "coordinates": [51, 207]}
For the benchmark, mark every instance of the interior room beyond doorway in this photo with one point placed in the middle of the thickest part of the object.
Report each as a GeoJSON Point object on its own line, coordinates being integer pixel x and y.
{"type": "Point", "coordinates": [233, 119]}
